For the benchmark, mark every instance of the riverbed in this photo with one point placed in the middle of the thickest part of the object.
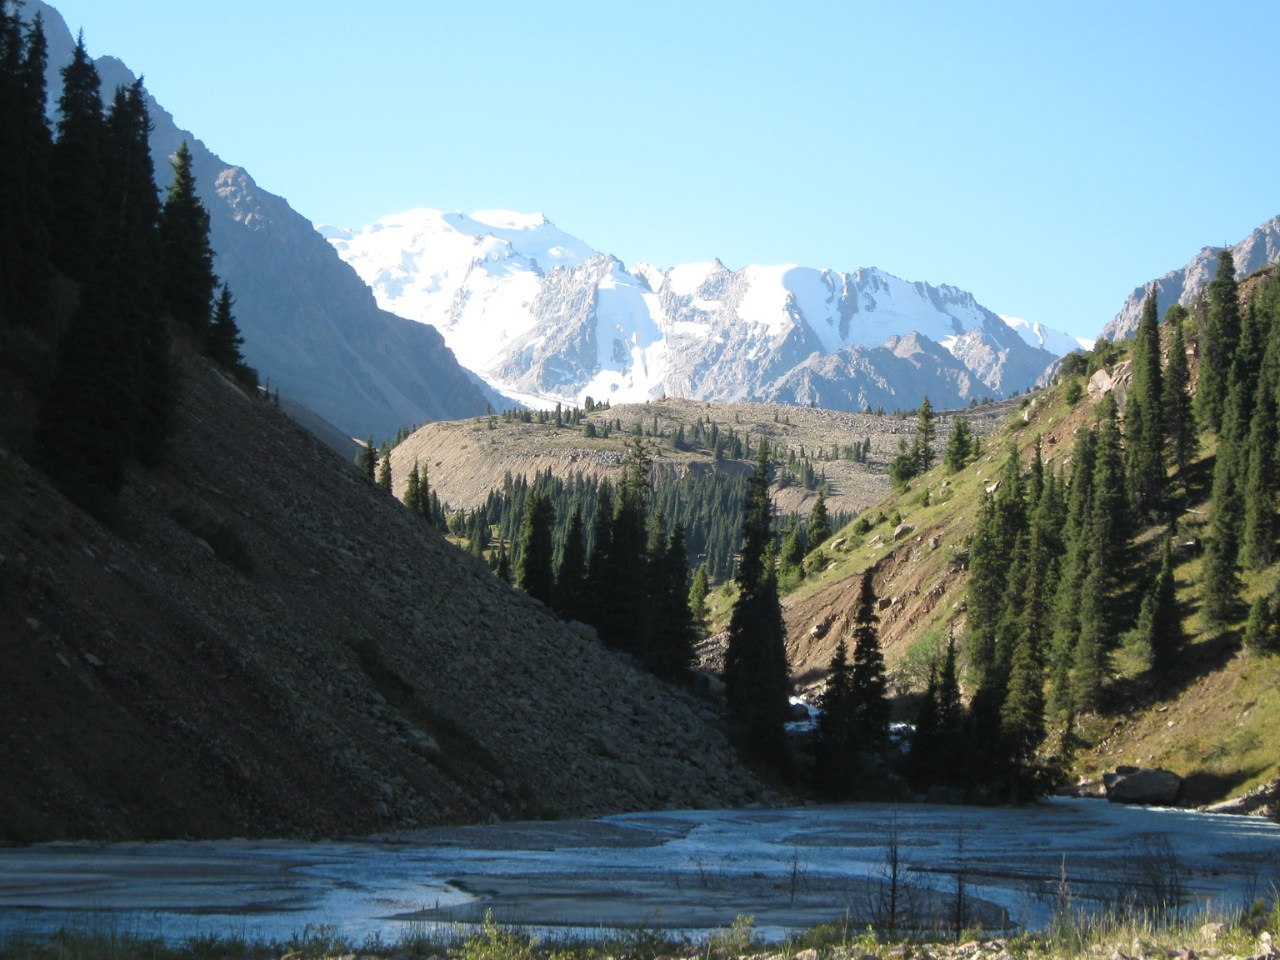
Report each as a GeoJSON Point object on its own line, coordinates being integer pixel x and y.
{"type": "Point", "coordinates": [686, 871]}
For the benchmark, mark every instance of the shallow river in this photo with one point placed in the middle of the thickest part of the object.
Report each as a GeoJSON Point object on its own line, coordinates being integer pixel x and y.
{"type": "Point", "coordinates": [687, 871]}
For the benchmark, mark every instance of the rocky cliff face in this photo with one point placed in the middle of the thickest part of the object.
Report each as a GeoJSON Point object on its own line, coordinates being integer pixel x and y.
{"type": "Point", "coordinates": [1183, 285]}
{"type": "Point", "coordinates": [540, 315]}
{"type": "Point", "coordinates": [311, 326]}
{"type": "Point", "coordinates": [266, 644]}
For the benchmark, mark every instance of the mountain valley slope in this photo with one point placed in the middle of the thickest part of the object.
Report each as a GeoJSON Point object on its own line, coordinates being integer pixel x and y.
{"type": "Point", "coordinates": [1209, 720]}
{"type": "Point", "coordinates": [262, 643]}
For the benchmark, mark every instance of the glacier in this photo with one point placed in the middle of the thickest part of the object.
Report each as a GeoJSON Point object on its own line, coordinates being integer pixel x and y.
{"type": "Point", "coordinates": [544, 318]}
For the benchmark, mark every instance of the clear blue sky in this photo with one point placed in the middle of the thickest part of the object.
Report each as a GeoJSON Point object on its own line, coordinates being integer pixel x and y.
{"type": "Point", "coordinates": [1047, 157]}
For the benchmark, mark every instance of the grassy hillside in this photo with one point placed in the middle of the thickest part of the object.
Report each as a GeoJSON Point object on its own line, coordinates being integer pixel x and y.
{"type": "Point", "coordinates": [1211, 718]}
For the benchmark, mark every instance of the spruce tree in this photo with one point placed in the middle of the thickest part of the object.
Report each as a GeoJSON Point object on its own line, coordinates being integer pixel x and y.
{"type": "Point", "coordinates": [534, 566]}
{"type": "Point", "coordinates": [1262, 477]}
{"type": "Point", "coordinates": [673, 623]}
{"type": "Point", "coordinates": [868, 688]}
{"type": "Point", "coordinates": [186, 262]}
{"type": "Point", "coordinates": [951, 719]}
{"type": "Point", "coordinates": [570, 592]}
{"type": "Point", "coordinates": [1075, 566]}
{"type": "Point", "coordinates": [1144, 421]}
{"type": "Point", "coordinates": [755, 674]}
{"type": "Point", "coordinates": [133, 215]}
{"type": "Point", "coordinates": [922, 760]}
{"type": "Point", "coordinates": [1260, 632]}
{"type": "Point", "coordinates": [77, 169]}
{"type": "Point", "coordinates": [1176, 406]}
{"type": "Point", "coordinates": [412, 491]}
{"type": "Point", "coordinates": [924, 436]}
{"type": "Point", "coordinates": [837, 744]}
{"type": "Point", "coordinates": [1222, 584]}
{"type": "Point", "coordinates": [25, 145]}
{"type": "Point", "coordinates": [223, 342]}
{"type": "Point", "coordinates": [1159, 625]}
{"type": "Point", "coordinates": [1022, 721]}
{"type": "Point", "coordinates": [819, 528]}
{"type": "Point", "coordinates": [959, 449]}
{"type": "Point", "coordinates": [698, 611]}
{"type": "Point", "coordinates": [791, 556]}
{"type": "Point", "coordinates": [1220, 337]}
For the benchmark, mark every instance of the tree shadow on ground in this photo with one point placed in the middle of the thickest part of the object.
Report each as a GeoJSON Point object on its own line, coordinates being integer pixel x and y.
{"type": "Point", "coordinates": [1206, 786]}
{"type": "Point", "coordinates": [1149, 688]}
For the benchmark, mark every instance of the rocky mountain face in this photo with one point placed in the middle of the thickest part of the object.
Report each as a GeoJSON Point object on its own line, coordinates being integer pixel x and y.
{"type": "Point", "coordinates": [543, 317]}
{"type": "Point", "coordinates": [311, 326]}
{"type": "Point", "coordinates": [1185, 284]}
{"type": "Point", "coordinates": [264, 643]}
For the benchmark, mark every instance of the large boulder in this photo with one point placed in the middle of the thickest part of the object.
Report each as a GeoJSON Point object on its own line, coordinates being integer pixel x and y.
{"type": "Point", "coordinates": [1140, 785]}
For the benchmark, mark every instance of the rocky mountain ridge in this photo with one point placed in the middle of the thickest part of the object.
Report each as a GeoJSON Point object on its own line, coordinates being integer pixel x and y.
{"type": "Point", "coordinates": [311, 327]}
{"type": "Point", "coordinates": [545, 318]}
{"type": "Point", "coordinates": [1185, 284]}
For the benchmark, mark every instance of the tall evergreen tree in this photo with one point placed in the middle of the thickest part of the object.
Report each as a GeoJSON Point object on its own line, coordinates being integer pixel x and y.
{"type": "Point", "coordinates": [960, 445]}
{"type": "Point", "coordinates": [133, 212]}
{"type": "Point", "coordinates": [1179, 422]}
{"type": "Point", "coordinates": [1144, 421]}
{"type": "Point", "coordinates": [1222, 584]}
{"type": "Point", "coordinates": [534, 567]}
{"type": "Point", "coordinates": [186, 263]}
{"type": "Point", "coordinates": [698, 612]}
{"type": "Point", "coordinates": [25, 145]}
{"type": "Point", "coordinates": [673, 629]}
{"type": "Point", "coordinates": [77, 169]}
{"type": "Point", "coordinates": [837, 743]}
{"type": "Point", "coordinates": [755, 675]}
{"type": "Point", "coordinates": [1219, 339]}
{"type": "Point", "coordinates": [1075, 567]}
{"type": "Point", "coordinates": [412, 491]}
{"type": "Point", "coordinates": [222, 345]}
{"type": "Point", "coordinates": [868, 688]}
{"type": "Point", "coordinates": [791, 555]}
{"type": "Point", "coordinates": [114, 387]}
{"type": "Point", "coordinates": [819, 527]}
{"type": "Point", "coordinates": [571, 575]}
{"type": "Point", "coordinates": [1159, 625]}
{"type": "Point", "coordinates": [924, 435]}
{"type": "Point", "coordinates": [1261, 480]}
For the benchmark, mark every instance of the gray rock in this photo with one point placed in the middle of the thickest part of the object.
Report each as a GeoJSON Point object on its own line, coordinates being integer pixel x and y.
{"type": "Point", "coordinates": [1183, 285]}
{"type": "Point", "coordinates": [1140, 785]}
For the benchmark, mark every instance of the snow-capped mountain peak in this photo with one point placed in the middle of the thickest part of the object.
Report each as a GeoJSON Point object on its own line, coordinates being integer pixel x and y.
{"type": "Point", "coordinates": [1038, 335]}
{"type": "Point", "coordinates": [543, 317]}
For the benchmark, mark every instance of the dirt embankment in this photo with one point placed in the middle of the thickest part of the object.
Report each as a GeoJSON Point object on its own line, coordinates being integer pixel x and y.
{"type": "Point", "coordinates": [261, 643]}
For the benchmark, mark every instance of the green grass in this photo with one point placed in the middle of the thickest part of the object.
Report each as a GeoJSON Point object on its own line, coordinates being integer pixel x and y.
{"type": "Point", "coordinates": [1071, 934]}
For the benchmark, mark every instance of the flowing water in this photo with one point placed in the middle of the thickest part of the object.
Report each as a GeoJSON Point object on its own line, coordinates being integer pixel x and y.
{"type": "Point", "coordinates": [691, 871]}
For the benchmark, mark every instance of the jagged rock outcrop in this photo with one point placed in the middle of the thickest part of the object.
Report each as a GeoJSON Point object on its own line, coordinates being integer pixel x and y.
{"type": "Point", "coordinates": [1183, 285]}
{"type": "Point", "coordinates": [311, 326]}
